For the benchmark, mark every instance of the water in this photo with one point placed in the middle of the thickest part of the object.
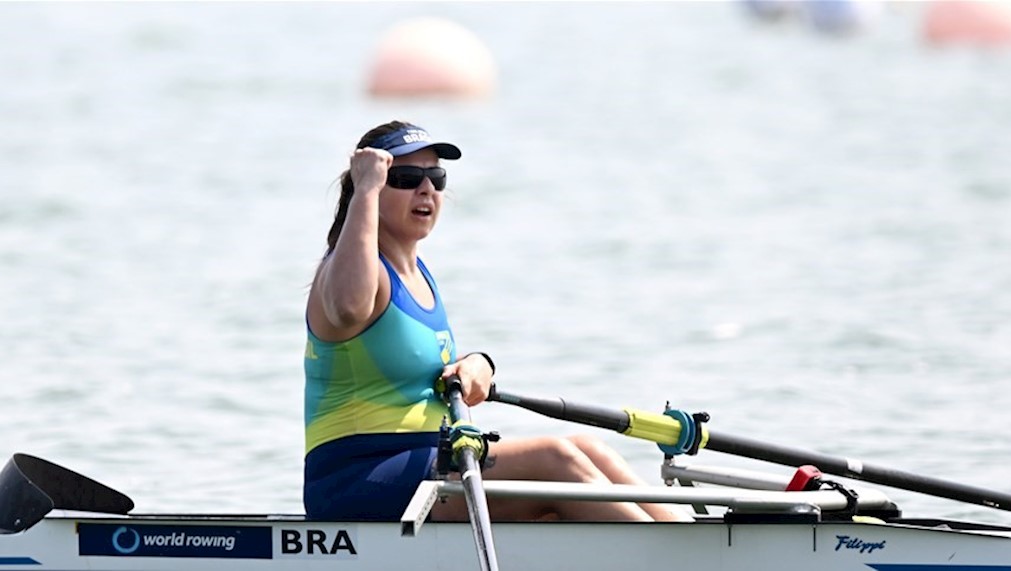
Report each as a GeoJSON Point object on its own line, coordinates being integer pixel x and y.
{"type": "Point", "coordinates": [805, 236]}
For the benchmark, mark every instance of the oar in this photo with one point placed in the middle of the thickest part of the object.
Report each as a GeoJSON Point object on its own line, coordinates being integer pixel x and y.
{"type": "Point", "coordinates": [666, 430]}
{"type": "Point", "coordinates": [466, 454]}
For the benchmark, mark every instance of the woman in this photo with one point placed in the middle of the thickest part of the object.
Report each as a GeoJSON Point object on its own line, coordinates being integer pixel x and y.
{"type": "Point", "coordinates": [378, 338]}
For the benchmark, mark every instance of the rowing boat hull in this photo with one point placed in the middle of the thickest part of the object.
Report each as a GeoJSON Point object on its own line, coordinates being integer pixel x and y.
{"type": "Point", "coordinates": [71, 541]}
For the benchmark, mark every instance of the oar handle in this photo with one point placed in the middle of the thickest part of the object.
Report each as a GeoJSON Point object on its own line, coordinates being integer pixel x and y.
{"type": "Point", "coordinates": [453, 394]}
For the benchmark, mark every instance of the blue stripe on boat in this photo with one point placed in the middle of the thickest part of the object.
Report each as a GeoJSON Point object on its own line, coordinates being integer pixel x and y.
{"type": "Point", "coordinates": [914, 567]}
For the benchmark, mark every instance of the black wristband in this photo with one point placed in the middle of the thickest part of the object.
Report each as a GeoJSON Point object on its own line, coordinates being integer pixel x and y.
{"type": "Point", "coordinates": [486, 358]}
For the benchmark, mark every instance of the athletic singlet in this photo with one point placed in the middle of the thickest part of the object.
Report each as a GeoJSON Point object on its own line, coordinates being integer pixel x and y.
{"type": "Point", "coordinates": [382, 380]}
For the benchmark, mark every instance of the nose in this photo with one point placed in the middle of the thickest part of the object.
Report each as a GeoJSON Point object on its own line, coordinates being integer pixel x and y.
{"type": "Point", "coordinates": [426, 186]}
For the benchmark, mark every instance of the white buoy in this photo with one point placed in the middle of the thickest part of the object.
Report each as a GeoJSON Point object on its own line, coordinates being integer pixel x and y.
{"type": "Point", "coordinates": [431, 57]}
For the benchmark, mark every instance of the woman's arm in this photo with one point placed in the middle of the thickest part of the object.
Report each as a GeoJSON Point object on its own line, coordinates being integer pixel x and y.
{"type": "Point", "coordinates": [344, 294]}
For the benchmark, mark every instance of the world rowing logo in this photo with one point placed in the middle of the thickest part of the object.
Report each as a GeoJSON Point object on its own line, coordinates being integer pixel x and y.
{"type": "Point", "coordinates": [126, 540]}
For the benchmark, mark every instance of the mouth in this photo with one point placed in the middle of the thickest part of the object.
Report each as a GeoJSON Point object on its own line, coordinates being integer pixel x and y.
{"type": "Point", "coordinates": [422, 211]}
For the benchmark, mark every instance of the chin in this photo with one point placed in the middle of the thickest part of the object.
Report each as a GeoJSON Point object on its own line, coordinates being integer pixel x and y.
{"type": "Point", "coordinates": [422, 233]}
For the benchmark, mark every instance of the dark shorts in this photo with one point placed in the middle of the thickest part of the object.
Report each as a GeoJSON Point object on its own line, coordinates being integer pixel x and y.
{"type": "Point", "coordinates": [367, 477]}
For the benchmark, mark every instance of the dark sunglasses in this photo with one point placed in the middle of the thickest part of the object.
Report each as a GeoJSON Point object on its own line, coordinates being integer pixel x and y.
{"type": "Point", "coordinates": [406, 177]}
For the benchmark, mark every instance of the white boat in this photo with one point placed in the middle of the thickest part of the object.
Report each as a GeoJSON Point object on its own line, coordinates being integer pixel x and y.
{"type": "Point", "coordinates": [52, 518]}
{"type": "Point", "coordinates": [755, 529]}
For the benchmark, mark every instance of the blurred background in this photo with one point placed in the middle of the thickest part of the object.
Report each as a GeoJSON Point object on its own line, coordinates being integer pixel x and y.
{"type": "Point", "coordinates": [791, 215]}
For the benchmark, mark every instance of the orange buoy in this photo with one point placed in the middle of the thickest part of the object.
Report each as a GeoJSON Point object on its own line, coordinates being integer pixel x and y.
{"type": "Point", "coordinates": [967, 22]}
{"type": "Point", "coordinates": [431, 57]}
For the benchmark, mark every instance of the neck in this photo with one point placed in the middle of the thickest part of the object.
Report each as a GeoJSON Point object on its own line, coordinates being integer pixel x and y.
{"type": "Point", "coordinates": [402, 256]}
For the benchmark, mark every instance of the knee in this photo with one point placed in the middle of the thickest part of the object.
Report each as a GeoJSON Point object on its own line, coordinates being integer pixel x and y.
{"type": "Point", "coordinates": [593, 447]}
{"type": "Point", "coordinates": [546, 458]}
{"type": "Point", "coordinates": [564, 451]}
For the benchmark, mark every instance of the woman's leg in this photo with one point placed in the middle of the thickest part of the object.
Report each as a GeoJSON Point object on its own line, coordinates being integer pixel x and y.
{"type": "Point", "coordinates": [550, 459]}
{"type": "Point", "coordinates": [617, 470]}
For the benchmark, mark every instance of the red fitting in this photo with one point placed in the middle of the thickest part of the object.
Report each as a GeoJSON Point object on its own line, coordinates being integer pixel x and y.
{"type": "Point", "coordinates": [807, 478]}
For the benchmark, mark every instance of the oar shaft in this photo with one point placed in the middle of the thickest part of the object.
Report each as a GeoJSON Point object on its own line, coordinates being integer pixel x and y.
{"type": "Point", "coordinates": [601, 417]}
{"type": "Point", "coordinates": [857, 470]}
{"type": "Point", "coordinates": [473, 485]}
{"type": "Point", "coordinates": [477, 510]}
{"type": "Point", "coordinates": [619, 421]}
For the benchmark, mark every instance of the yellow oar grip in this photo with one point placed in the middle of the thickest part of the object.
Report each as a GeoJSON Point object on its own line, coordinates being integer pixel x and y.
{"type": "Point", "coordinates": [658, 428]}
{"type": "Point", "coordinates": [652, 426]}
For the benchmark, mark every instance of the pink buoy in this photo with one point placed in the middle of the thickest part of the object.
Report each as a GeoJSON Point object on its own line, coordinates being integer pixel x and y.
{"type": "Point", "coordinates": [967, 22]}
{"type": "Point", "coordinates": [431, 57]}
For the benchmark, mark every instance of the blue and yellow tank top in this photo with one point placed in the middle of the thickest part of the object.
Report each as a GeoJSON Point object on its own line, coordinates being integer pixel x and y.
{"type": "Point", "coordinates": [382, 380]}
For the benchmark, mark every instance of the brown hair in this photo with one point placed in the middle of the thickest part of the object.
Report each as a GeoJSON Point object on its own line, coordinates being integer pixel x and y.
{"type": "Point", "coordinates": [348, 186]}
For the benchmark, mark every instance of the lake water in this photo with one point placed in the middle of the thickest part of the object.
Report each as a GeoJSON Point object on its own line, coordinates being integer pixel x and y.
{"type": "Point", "coordinates": [805, 235]}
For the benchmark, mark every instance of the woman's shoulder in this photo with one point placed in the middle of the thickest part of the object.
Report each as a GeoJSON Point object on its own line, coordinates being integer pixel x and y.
{"type": "Point", "coordinates": [323, 325]}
